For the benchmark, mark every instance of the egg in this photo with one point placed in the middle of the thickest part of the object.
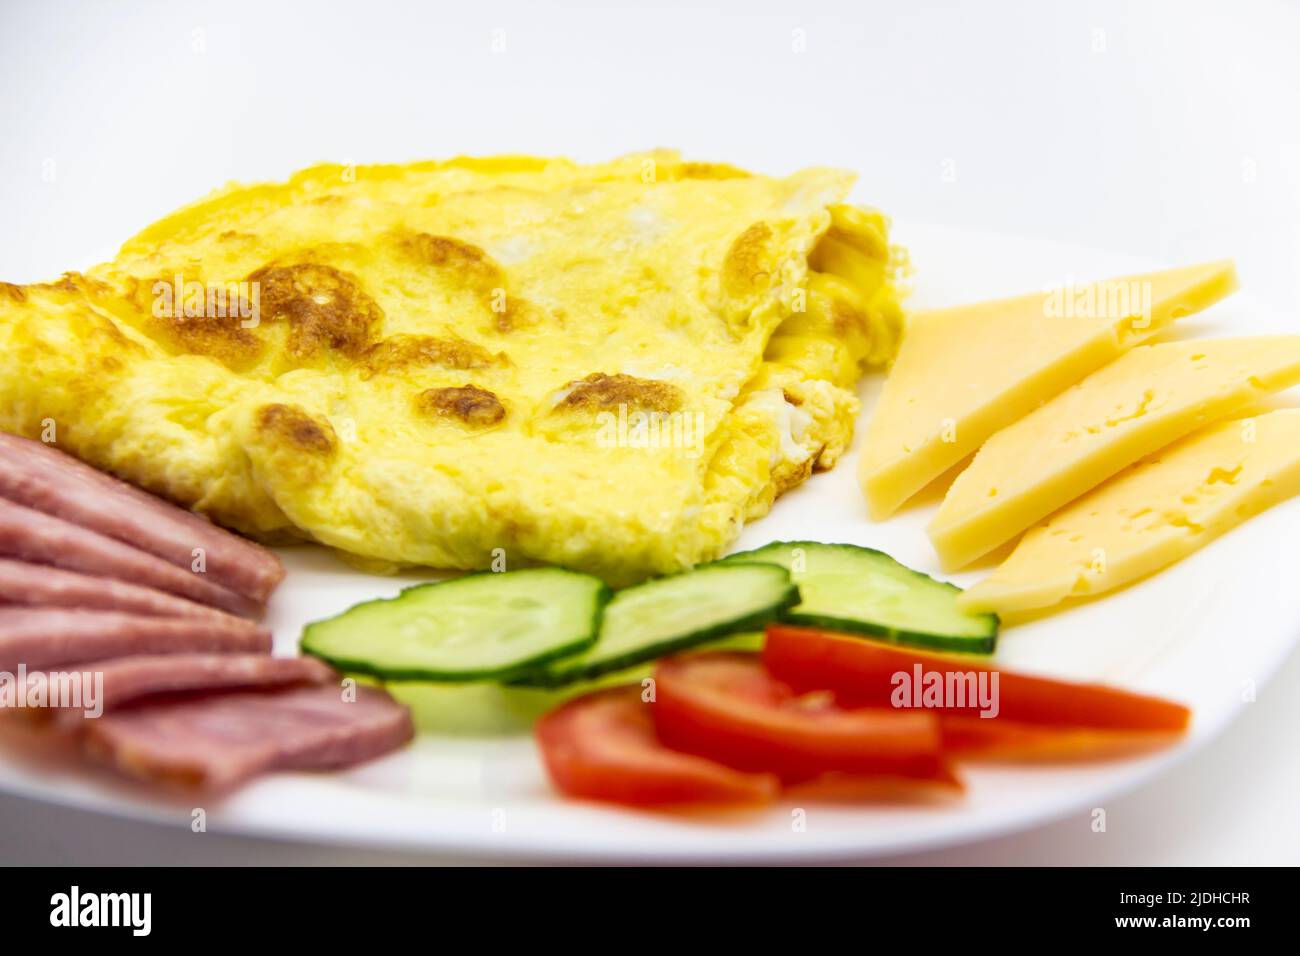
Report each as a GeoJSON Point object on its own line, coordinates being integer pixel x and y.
{"type": "Point", "coordinates": [472, 363]}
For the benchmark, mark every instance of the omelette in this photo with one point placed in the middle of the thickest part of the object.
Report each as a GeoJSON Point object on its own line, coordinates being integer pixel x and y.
{"type": "Point", "coordinates": [472, 363]}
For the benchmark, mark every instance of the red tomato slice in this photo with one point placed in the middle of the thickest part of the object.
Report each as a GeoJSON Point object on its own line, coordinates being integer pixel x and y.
{"type": "Point", "coordinates": [727, 707]}
{"type": "Point", "coordinates": [860, 672]}
{"type": "Point", "coordinates": [999, 739]}
{"type": "Point", "coordinates": [603, 747]}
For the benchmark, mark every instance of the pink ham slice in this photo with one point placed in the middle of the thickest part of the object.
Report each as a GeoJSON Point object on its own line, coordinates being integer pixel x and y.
{"type": "Point", "coordinates": [36, 536]}
{"type": "Point", "coordinates": [48, 480]}
{"type": "Point", "coordinates": [217, 741]}
{"type": "Point", "coordinates": [128, 679]}
{"type": "Point", "coordinates": [41, 585]}
{"type": "Point", "coordinates": [49, 637]}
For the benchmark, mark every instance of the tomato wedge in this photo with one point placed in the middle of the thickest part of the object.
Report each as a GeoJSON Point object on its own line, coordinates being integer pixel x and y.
{"type": "Point", "coordinates": [860, 672]}
{"type": "Point", "coordinates": [728, 708]}
{"type": "Point", "coordinates": [603, 747]}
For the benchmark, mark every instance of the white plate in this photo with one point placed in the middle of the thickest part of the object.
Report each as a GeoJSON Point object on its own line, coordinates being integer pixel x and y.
{"type": "Point", "coordinates": [1204, 632]}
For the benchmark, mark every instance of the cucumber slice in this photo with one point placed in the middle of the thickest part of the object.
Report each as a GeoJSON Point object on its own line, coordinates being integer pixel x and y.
{"type": "Point", "coordinates": [864, 591]}
{"type": "Point", "coordinates": [670, 614]}
{"type": "Point", "coordinates": [477, 627]}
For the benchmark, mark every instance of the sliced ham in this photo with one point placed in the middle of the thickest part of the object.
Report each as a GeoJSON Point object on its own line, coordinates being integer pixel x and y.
{"type": "Point", "coordinates": [46, 479]}
{"type": "Point", "coordinates": [128, 679]}
{"type": "Point", "coordinates": [33, 535]}
{"type": "Point", "coordinates": [50, 637]}
{"type": "Point", "coordinates": [219, 740]}
{"type": "Point", "coordinates": [41, 585]}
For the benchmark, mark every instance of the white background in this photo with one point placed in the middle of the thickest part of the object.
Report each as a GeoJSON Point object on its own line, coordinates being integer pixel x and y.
{"type": "Point", "coordinates": [1169, 131]}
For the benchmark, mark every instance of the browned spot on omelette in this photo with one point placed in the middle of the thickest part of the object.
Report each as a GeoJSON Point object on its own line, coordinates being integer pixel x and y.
{"type": "Point", "coordinates": [216, 329]}
{"type": "Point", "coordinates": [466, 266]}
{"type": "Point", "coordinates": [847, 319]}
{"type": "Point", "coordinates": [601, 391]}
{"type": "Point", "coordinates": [75, 282]}
{"type": "Point", "coordinates": [467, 403]}
{"type": "Point", "coordinates": [412, 351]}
{"type": "Point", "coordinates": [295, 426]}
{"type": "Point", "coordinates": [325, 308]}
{"type": "Point", "coordinates": [747, 266]}
{"type": "Point", "coordinates": [464, 262]}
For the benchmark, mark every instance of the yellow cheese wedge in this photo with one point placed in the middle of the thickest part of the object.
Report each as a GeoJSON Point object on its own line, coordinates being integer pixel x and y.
{"type": "Point", "coordinates": [1139, 403]}
{"type": "Point", "coordinates": [966, 372]}
{"type": "Point", "coordinates": [1149, 516]}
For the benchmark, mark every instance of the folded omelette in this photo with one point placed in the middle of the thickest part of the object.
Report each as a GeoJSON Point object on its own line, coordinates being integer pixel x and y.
{"type": "Point", "coordinates": [473, 363]}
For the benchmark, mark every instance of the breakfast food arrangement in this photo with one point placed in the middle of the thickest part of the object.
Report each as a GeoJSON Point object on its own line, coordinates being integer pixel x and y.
{"type": "Point", "coordinates": [551, 396]}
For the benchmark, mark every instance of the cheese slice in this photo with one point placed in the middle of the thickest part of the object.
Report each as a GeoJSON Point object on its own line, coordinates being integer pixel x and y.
{"type": "Point", "coordinates": [1139, 403]}
{"type": "Point", "coordinates": [963, 373]}
{"type": "Point", "coordinates": [1151, 515]}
